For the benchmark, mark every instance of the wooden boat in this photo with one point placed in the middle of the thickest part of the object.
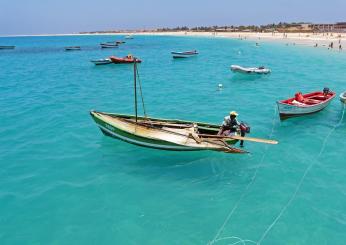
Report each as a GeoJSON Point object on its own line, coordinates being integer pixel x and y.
{"type": "Point", "coordinates": [125, 60]}
{"type": "Point", "coordinates": [115, 42]}
{"type": "Point", "coordinates": [185, 54]}
{"type": "Point", "coordinates": [165, 134]}
{"type": "Point", "coordinates": [102, 61]}
{"type": "Point", "coordinates": [72, 48]}
{"type": "Point", "coordinates": [343, 97]}
{"type": "Point", "coordinates": [109, 45]}
{"type": "Point", "coordinates": [250, 70]}
{"type": "Point", "coordinates": [7, 47]}
{"type": "Point", "coordinates": [303, 104]}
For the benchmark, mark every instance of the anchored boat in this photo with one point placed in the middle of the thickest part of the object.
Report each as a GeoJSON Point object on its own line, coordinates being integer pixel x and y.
{"type": "Point", "coordinates": [7, 47]}
{"type": "Point", "coordinates": [250, 70]}
{"type": "Point", "coordinates": [109, 45]}
{"type": "Point", "coordinates": [166, 134]}
{"type": "Point", "coordinates": [72, 48]}
{"type": "Point", "coordinates": [125, 60]}
{"type": "Point", "coordinates": [129, 37]}
{"type": "Point", "coordinates": [302, 104]}
{"type": "Point", "coordinates": [185, 54]}
{"type": "Point", "coordinates": [102, 61]}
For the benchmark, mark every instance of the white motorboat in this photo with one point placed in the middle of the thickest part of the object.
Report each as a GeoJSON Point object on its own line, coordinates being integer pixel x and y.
{"type": "Point", "coordinates": [102, 61]}
{"type": "Point", "coordinates": [250, 70]}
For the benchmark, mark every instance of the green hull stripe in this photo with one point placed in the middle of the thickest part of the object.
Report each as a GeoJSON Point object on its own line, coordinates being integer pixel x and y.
{"type": "Point", "coordinates": [150, 145]}
{"type": "Point", "coordinates": [131, 137]}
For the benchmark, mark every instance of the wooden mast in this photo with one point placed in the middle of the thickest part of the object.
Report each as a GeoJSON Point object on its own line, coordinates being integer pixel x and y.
{"type": "Point", "coordinates": [135, 84]}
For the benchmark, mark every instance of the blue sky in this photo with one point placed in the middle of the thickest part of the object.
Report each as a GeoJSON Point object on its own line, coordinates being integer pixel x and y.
{"type": "Point", "coordinates": [70, 16]}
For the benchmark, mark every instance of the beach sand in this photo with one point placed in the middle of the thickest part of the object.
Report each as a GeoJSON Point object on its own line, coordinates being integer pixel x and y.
{"type": "Point", "coordinates": [323, 40]}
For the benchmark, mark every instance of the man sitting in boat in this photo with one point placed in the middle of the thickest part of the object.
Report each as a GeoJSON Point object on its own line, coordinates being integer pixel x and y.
{"type": "Point", "coordinates": [129, 56]}
{"type": "Point", "coordinates": [230, 125]}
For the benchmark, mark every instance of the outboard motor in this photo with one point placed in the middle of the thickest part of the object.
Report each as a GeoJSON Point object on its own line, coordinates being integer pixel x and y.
{"type": "Point", "coordinates": [326, 91]}
{"type": "Point", "coordinates": [244, 128]}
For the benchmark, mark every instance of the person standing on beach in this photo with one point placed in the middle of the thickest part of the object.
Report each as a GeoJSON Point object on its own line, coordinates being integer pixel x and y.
{"type": "Point", "coordinates": [331, 45]}
{"type": "Point", "coordinates": [340, 47]}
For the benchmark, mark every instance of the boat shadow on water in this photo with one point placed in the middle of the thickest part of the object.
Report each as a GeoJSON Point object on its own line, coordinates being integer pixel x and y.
{"type": "Point", "coordinates": [246, 77]}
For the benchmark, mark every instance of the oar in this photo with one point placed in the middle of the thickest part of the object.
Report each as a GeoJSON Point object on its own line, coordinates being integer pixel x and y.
{"type": "Point", "coordinates": [273, 142]}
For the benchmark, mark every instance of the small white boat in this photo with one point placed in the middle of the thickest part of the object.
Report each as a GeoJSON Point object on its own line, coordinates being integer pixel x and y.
{"type": "Point", "coordinates": [343, 97]}
{"type": "Point", "coordinates": [250, 70]}
{"type": "Point", "coordinates": [102, 61]}
{"type": "Point", "coordinates": [302, 104]}
{"type": "Point", "coordinates": [109, 45]}
{"type": "Point", "coordinates": [72, 48]}
{"type": "Point", "coordinates": [184, 54]}
{"type": "Point", "coordinates": [128, 37]}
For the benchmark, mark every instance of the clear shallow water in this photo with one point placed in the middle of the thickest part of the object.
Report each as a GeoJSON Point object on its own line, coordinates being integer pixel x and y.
{"type": "Point", "coordinates": [63, 182]}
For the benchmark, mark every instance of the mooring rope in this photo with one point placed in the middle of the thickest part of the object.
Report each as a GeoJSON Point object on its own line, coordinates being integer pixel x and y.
{"type": "Point", "coordinates": [216, 239]}
{"type": "Point", "coordinates": [301, 180]}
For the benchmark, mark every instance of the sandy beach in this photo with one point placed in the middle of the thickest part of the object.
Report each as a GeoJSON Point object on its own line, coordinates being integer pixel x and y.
{"type": "Point", "coordinates": [319, 40]}
{"type": "Point", "coordinates": [323, 40]}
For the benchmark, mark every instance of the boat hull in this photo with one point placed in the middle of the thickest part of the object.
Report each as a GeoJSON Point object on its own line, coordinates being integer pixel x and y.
{"type": "Point", "coordinates": [343, 97]}
{"type": "Point", "coordinates": [105, 45]}
{"type": "Point", "coordinates": [72, 48]}
{"type": "Point", "coordinates": [250, 70]}
{"type": "Point", "coordinates": [287, 111]}
{"type": "Point", "coordinates": [111, 131]}
{"type": "Point", "coordinates": [7, 47]}
{"type": "Point", "coordinates": [187, 54]}
{"type": "Point", "coordinates": [117, 60]}
{"type": "Point", "coordinates": [142, 136]}
{"type": "Point", "coordinates": [180, 57]}
{"type": "Point", "coordinates": [102, 62]}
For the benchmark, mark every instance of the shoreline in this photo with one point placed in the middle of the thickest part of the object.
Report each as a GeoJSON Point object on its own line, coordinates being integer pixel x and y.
{"type": "Point", "coordinates": [307, 39]}
{"type": "Point", "coordinates": [323, 40]}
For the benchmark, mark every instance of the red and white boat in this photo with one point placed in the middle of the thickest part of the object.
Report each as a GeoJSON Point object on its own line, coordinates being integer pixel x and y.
{"type": "Point", "coordinates": [125, 60]}
{"type": "Point", "coordinates": [302, 104]}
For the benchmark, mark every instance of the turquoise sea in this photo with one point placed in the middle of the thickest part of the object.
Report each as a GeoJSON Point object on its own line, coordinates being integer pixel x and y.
{"type": "Point", "coordinates": [63, 182]}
